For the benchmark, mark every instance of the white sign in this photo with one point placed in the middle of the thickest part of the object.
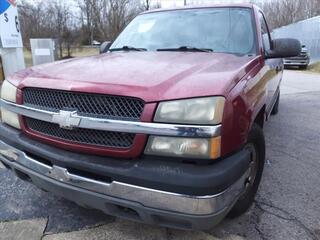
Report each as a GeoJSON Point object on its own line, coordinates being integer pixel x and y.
{"type": "Point", "coordinates": [9, 25]}
{"type": "Point", "coordinates": [42, 52]}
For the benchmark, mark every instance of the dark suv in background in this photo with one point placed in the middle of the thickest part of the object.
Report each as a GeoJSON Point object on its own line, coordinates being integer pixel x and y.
{"type": "Point", "coordinates": [302, 61]}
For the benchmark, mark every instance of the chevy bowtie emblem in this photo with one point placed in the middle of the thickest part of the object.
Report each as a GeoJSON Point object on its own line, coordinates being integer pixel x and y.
{"type": "Point", "coordinates": [66, 119]}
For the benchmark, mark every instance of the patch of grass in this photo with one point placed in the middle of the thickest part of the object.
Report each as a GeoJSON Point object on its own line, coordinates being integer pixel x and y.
{"type": "Point", "coordinates": [84, 52]}
{"type": "Point", "coordinates": [315, 67]}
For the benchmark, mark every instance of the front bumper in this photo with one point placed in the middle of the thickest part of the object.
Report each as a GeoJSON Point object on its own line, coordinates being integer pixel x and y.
{"type": "Point", "coordinates": [296, 61]}
{"type": "Point", "coordinates": [122, 198]}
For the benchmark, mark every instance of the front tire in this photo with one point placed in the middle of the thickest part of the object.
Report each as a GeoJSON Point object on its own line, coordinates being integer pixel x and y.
{"type": "Point", "coordinates": [275, 109]}
{"type": "Point", "coordinates": [256, 147]}
{"type": "Point", "coordinates": [304, 67]}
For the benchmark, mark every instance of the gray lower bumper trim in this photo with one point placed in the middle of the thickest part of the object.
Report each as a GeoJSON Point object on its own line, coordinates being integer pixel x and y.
{"type": "Point", "coordinates": [296, 63]}
{"type": "Point", "coordinates": [151, 198]}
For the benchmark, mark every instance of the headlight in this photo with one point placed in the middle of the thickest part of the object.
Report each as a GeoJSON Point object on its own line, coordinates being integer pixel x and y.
{"type": "Point", "coordinates": [207, 110]}
{"type": "Point", "coordinates": [9, 93]}
{"type": "Point", "coordinates": [201, 148]}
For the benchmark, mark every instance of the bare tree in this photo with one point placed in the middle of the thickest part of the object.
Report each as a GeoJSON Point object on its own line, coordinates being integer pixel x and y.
{"type": "Point", "coordinates": [105, 19]}
{"type": "Point", "coordinates": [33, 22]}
{"type": "Point", "coordinates": [312, 8]}
{"type": "Point", "coordinates": [86, 17]}
{"type": "Point", "coordinates": [99, 20]}
{"type": "Point", "coordinates": [147, 4]}
{"type": "Point", "coordinates": [283, 12]}
{"type": "Point", "coordinates": [48, 19]}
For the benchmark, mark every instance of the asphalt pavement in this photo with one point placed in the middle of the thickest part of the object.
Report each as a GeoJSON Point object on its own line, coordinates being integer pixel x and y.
{"type": "Point", "coordinates": [286, 207]}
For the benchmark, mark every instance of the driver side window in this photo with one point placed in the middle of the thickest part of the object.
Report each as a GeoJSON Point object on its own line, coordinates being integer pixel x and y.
{"type": "Point", "coordinates": [265, 33]}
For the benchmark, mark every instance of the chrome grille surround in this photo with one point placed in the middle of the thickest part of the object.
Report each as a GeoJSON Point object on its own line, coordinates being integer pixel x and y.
{"type": "Point", "coordinates": [149, 128]}
{"type": "Point", "coordinates": [84, 104]}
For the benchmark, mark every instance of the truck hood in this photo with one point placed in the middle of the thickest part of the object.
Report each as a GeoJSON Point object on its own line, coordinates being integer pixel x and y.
{"type": "Point", "coordinates": [151, 76]}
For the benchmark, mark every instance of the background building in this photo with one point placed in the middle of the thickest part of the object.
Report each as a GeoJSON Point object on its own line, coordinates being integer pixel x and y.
{"type": "Point", "coordinates": [307, 31]}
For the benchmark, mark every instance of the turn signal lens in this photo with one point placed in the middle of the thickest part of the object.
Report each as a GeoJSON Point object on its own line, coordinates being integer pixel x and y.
{"type": "Point", "coordinates": [9, 93]}
{"type": "Point", "coordinates": [215, 149]}
{"type": "Point", "coordinates": [10, 118]}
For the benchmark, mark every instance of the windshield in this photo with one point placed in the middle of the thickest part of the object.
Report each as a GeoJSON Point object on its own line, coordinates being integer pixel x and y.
{"type": "Point", "coordinates": [227, 30]}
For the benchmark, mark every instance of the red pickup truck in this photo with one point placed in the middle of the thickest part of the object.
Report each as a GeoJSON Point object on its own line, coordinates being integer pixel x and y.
{"type": "Point", "coordinates": [164, 127]}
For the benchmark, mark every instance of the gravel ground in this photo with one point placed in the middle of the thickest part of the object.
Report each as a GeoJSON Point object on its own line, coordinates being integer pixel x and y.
{"type": "Point", "coordinates": [286, 207]}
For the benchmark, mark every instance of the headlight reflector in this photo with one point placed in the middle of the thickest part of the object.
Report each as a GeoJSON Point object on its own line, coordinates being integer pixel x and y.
{"type": "Point", "coordinates": [208, 110]}
{"type": "Point", "coordinates": [201, 148]}
{"type": "Point", "coordinates": [9, 93]}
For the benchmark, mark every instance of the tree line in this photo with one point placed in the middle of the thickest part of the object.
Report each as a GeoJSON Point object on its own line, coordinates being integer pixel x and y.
{"type": "Point", "coordinates": [77, 22]}
{"type": "Point", "coordinates": [284, 12]}
{"type": "Point", "coordinates": [80, 22]}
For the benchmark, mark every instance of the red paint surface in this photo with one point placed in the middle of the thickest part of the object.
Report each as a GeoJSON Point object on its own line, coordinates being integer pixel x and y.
{"type": "Point", "coordinates": [151, 76]}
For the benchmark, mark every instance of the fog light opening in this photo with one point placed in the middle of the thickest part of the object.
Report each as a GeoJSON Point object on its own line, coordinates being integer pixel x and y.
{"type": "Point", "coordinates": [22, 176]}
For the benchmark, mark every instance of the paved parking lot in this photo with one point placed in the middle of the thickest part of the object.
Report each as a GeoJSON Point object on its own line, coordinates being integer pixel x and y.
{"type": "Point", "coordinates": [287, 205]}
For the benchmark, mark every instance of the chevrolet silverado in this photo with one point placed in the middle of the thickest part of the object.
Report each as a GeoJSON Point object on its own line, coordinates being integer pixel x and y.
{"type": "Point", "coordinates": [164, 127]}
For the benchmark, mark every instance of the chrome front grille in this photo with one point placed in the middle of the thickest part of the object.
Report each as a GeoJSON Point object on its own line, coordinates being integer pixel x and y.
{"type": "Point", "coordinates": [81, 135]}
{"type": "Point", "coordinates": [85, 104]}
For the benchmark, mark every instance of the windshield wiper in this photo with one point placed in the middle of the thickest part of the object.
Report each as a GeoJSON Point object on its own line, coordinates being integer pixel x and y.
{"type": "Point", "coordinates": [185, 49]}
{"type": "Point", "coordinates": [127, 48]}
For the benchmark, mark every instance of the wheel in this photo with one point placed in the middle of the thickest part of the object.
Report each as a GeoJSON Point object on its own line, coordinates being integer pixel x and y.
{"type": "Point", "coordinates": [256, 146]}
{"type": "Point", "coordinates": [275, 108]}
{"type": "Point", "coordinates": [304, 67]}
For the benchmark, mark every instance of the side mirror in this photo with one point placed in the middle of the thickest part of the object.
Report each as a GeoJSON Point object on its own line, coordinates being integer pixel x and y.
{"type": "Point", "coordinates": [284, 47]}
{"type": "Point", "coordinates": [104, 47]}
